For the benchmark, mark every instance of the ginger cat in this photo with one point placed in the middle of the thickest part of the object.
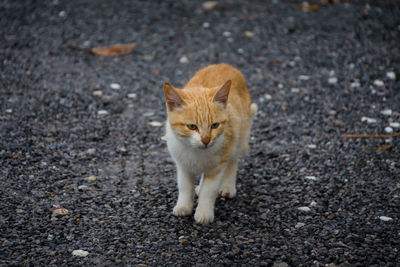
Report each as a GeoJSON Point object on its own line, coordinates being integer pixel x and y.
{"type": "Point", "coordinates": [207, 131]}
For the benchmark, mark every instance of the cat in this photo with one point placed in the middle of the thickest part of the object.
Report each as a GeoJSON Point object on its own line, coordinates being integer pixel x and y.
{"type": "Point", "coordinates": [207, 131]}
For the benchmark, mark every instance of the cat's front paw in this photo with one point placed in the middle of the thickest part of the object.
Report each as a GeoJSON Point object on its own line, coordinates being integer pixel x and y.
{"type": "Point", "coordinates": [227, 191]}
{"type": "Point", "coordinates": [204, 216]}
{"type": "Point", "coordinates": [182, 210]}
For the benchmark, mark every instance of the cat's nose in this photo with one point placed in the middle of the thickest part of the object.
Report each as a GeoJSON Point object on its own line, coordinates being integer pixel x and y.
{"type": "Point", "coordinates": [205, 140]}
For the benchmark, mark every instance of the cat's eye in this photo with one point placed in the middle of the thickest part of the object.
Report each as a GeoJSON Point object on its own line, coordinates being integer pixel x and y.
{"type": "Point", "coordinates": [215, 125]}
{"type": "Point", "coordinates": [191, 126]}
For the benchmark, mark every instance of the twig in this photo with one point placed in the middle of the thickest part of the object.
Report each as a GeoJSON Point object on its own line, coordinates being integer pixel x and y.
{"type": "Point", "coordinates": [370, 135]}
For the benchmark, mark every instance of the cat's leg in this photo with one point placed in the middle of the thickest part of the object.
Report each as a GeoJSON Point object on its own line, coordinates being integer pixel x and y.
{"type": "Point", "coordinates": [197, 189]}
{"type": "Point", "coordinates": [228, 185]}
{"type": "Point", "coordinates": [207, 194]}
{"type": "Point", "coordinates": [184, 206]}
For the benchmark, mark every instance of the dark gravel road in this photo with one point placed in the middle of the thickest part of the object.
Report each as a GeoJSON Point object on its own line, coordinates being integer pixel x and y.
{"type": "Point", "coordinates": [84, 132]}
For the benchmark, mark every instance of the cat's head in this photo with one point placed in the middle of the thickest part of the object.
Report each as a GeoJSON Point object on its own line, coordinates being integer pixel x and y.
{"type": "Point", "coordinates": [198, 116]}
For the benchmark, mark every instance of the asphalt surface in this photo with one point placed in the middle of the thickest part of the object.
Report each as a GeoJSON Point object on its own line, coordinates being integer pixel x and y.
{"type": "Point", "coordinates": [69, 139]}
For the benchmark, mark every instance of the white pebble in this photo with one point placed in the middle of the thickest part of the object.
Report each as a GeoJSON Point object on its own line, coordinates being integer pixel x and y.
{"type": "Point", "coordinates": [391, 75]}
{"type": "Point", "coordinates": [394, 125]}
{"type": "Point", "coordinates": [83, 187]}
{"type": "Point", "coordinates": [155, 123]}
{"type": "Point", "coordinates": [368, 120]}
{"type": "Point", "coordinates": [305, 209]}
{"type": "Point", "coordinates": [80, 253]}
{"type": "Point", "coordinates": [227, 34]}
{"type": "Point", "coordinates": [102, 112]}
{"type": "Point", "coordinates": [9, 110]}
{"type": "Point", "coordinates": [386, 112]}
{"type": "Point", "coordinates": [240, 50]}
{"type": "Point", "coordinates": [92, 178]}
{"type": "Point", "coordinates": [97, 93]}
{"type": "Point", "coordinates": [249, 34]}
{"type": "Point", "coordinates": [115, 86]}
{"type": "Point", "coordinates": [389, 130]}
{"type": "Point", "coordinates": [206, 25]}
{"type": "Point", "coordinates": [62, 14]}
{"type": "Point", "coordinates": [355, 84]}
{"type": "Point", "coordinates": [295, 90]}
{"type": "Point", "coordinates": [312, 146]}
{"type": "Point", "coordinates": [132, 95]}
{"type": "Point", "coordinates": [332, 80]}
{"type": "Point", "coordinates": [304, 77]}
{"type": "Point", "coordinates": [379, 83]}
{"type": "Point", "coordinates": [310, 177]}
{"type": "Point", "coordinates": [299, 225]}
{"type": "Point", "coordinates": [313, 204]}
{"type": "Point", "coordinates": [184, 60]}
{"type": "Point", "coordinates": [385, 218]}
{"type": "Point", "coordinates": [267, 97]}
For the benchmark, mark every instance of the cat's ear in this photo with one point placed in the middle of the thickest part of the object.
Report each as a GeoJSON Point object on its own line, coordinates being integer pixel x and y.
{"type": "Point", "coordinates": [172, 97]}
{"type": "Point", "coordinates": [222, 94]}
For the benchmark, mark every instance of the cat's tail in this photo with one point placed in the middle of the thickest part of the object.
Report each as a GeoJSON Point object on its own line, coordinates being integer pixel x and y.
{"type": "Point", "coordinates": [253, 109]}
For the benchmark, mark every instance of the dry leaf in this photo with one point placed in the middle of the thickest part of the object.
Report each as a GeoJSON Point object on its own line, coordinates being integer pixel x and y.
{"type": "Point", "coordinates": [307, 7]}
{"type": "Point", "coordinates": [108, 51]}
{"type": "Point", "coordinates": [114, 50]}
{"type": "Point", "coordinates": [385, 147]}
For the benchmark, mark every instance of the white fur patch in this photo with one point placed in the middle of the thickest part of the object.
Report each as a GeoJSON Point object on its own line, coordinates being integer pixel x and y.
{"type": "Point", "coordinates": [190, 154]}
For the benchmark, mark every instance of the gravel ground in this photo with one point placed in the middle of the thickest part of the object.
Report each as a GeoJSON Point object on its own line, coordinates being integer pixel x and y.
{"type": "Point", "coordinates": [70, 139]}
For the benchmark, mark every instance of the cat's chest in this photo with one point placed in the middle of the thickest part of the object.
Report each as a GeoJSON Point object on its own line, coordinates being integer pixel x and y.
{"type": "Point", "coordinates": [196, 161]}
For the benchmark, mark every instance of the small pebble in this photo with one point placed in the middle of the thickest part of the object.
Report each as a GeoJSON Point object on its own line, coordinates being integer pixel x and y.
{"type": "Point", "coordinates": [9, 110]}
{"type": "Point", "coordinates": [62, 14]}
{"type": "Point", "coordinates": [299, 225]}
{"type": "Point", "coordinates": [391, 75]}
{"type": "Point", "coordinates": [368, 120]}
{"type": "Point", "coordinates": [206, 25]}
{"type": "Point", "coordinates": [80, 253]}
{"type": "Point", "coordinates": [385, 218]}
{"type": "Point", "coordinates": [332, 80]}
{"type": "Point", "coordinates": [83, 187]}
{"type": "Point", "coordinates": [58, 210]}
{"type": "Point", "coordinates": [227, 34]}
{"type": "Point", "coordinates": [210, 5]}
{"type": "Point", "coordinates": [388, 130]}
{"type": "Point", "coordinates": [267, 97]}
{"type": "Point", "coordinates": [249, 34]}
{"type": "Point", "coordinates": [132, 95]}
{"type": "Point", "coordinates": [305, 209]}
{"type": "Point", "coordinates": [121, 149]}
{"type": "Point", "coordinates": [295, 90]}
{"type": "Point", "coordinates": [355, 84]}
{"type": "Point", "coordinates": [91, 150]}
{"type": "Point", "coordinates": [313, 204]}
{"type": "Point", "coordinates": [332, 112]}
{"type": "Point", "coordinates": [115, 86]}
{"type": "Point", "coordinates": [387, 112]}
{"type": "Point", "coordinates": [240, 50]}
{"type": "Point", "coordinates": [394, 124]}
{"type": "Point", "coordinates": [310, 177]}
{"type": "Point", "coordinates": [155, 123]}
{"type": "Point", "coordinates": [97, 93]}
{"type": "Point", "coordinates": [92, 178]}
{"type": "Point", "coordinates": [379, 83]}
{"type": "Point", "coordinates": [312, 146]}
{"type": "Point", "coordinates": [304, 77]}
{"type": "Point", "coordinates": [184, 59]}
{"type": "Point", "coordinates": [102, 112]}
